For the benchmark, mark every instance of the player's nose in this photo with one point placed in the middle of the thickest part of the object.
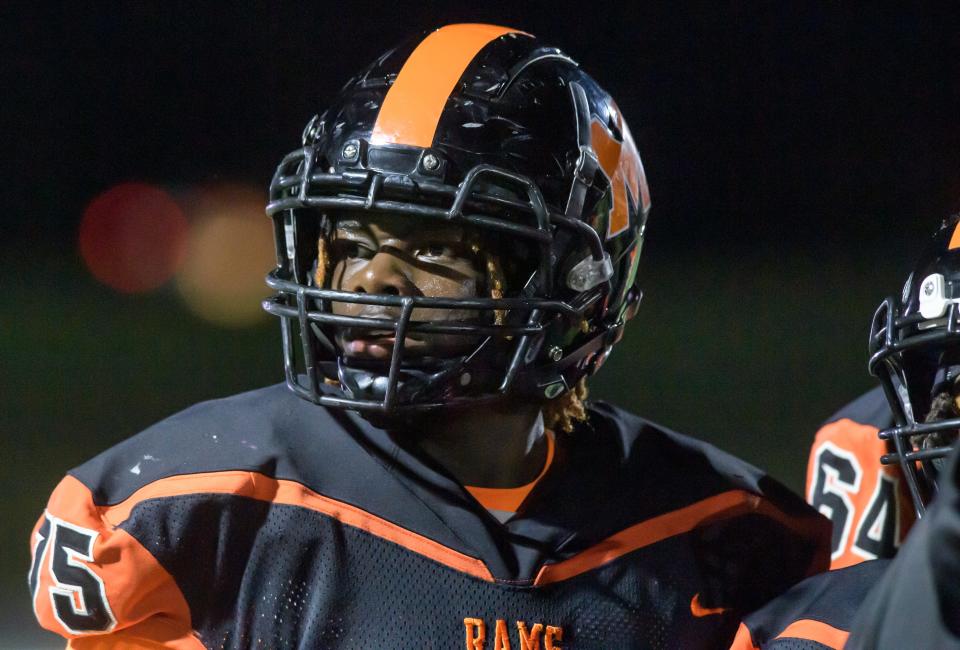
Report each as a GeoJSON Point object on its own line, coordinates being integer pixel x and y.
{"type": "Point", "coordinates": [385, 273]}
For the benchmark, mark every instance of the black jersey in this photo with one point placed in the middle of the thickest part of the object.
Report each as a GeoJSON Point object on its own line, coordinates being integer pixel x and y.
{"type": "Point", "coordinates": [917, 603]}
{"type": "Point", "coordinates": [868, 503]}
{"type": "Point", "coordinates": [264, 521]}
{"type": "Point", "coordinates": [814, 615]}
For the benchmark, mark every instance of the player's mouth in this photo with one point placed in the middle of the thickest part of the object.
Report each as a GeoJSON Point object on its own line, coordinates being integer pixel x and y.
{"type": "Point", "coordinates": [377, 344]}
{"type": "Point", "coordinates": [372, 345]}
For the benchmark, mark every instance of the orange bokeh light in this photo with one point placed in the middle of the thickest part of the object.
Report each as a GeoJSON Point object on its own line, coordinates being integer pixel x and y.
{"type": "Point", "coordinates": [230, 251]}
{"type": "Point", "coordinates": [133, 237]}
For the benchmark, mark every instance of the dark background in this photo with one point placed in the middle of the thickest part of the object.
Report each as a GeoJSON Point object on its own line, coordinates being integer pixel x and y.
{"type": "Point", "coordinates": [798, 157]}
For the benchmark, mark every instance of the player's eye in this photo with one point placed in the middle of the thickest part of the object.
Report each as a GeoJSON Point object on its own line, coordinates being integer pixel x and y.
{"type": "Point", "coordinates": [435, 250]}
{"type": "Point", "coordinates": [348, 249]}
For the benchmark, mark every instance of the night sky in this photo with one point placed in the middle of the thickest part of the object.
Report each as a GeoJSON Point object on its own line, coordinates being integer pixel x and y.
{"type": "Point", "coordinates": [767, 126]}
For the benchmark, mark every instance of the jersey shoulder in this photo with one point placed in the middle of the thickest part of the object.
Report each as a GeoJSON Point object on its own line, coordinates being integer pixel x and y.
{"type": "Point", "coordinates": [739, 516]}
{"type": "Point", "coordinates": [93, 568]}
{"type": "Point", "coordinates": [816, 613]}
{"type": "Point", "coordinates": [691, 468]}
{"type": "Point", "coordinates": [867, 502]}
{"type": "Point", "coordinates": [870, 408]}
{"type": "Point", "coordinates": [265, 431]}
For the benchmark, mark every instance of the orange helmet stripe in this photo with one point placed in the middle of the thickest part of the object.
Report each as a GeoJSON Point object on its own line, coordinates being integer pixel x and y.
{"type": "Point", "coordinates": [412, 107]}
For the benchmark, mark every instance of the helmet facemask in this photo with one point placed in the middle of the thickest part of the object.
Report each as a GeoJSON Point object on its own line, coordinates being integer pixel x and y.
{"type": "Point", "coordinates": [917, 361]}
{"type": "Point", "coordinates": [511, 331]}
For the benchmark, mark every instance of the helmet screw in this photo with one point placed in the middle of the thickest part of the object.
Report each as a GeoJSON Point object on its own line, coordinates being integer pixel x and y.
{"type": "Point", "coordinates": [431, 162]}
{"type": "Point", "coordinates": [555, 353]}
{"type": "Point", "coordinates": [928, 289]}
{"type": "Point", "coordinates": [553, 390]}
{"type": "Point", "coordinates": [465, 379]}
{"type": "Point", "coordinates": [350, 151]}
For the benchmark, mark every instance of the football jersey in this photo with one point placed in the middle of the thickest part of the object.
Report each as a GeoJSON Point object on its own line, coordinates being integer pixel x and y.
{"type": "Point", "coordinates": [917, 602]}
{"type": "Point", "coordinates": [261, 520]}
{"type": "Point", "coordinates": [867, 502]}
{"type": "Point", "coordinates": [816, 614]}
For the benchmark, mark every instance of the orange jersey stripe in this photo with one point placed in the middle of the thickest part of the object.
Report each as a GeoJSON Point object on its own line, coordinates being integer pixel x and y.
{"type": "Point", "coordinates": [815, 631]}
{"type": "Point", "coordinates": [258, 486]}
{"type": "Point", "coordinates": [724, 505]}
{"type": "Point", "coordinates": [264, 488]}
{"type": "Point", "coordinates": [412, 107]}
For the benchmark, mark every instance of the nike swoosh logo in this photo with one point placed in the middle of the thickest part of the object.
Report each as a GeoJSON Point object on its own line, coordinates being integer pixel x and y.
{"type": "Point", "coordinates": [699, 611]}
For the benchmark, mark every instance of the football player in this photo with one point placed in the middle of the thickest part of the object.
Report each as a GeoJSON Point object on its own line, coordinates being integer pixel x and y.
{"type": "Point", "coordinates": [457, 247]}
{"type": "Point", "coordinates": [914, 351]}
{"type": "Point", "coordinates": [915, 345]}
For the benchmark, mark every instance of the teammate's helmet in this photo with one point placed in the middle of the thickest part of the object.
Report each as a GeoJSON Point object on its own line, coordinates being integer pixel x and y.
{"type": "Point", "coordinates": [915, 352]}
{"type": "Point", "coordinates": [488, 128]}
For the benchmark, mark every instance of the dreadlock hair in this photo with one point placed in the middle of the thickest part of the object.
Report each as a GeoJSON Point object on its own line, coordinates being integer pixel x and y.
{"type": "Point", "coordinates": [945, 405]}
{"type": "Point", "coordinates": [562, 412]}
{"type": "Point", "coordinates": [323, 262]}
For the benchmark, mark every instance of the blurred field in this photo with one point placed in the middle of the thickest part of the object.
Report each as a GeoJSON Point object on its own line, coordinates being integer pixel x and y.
{"type": "Point", "coordinates": [749, 353]}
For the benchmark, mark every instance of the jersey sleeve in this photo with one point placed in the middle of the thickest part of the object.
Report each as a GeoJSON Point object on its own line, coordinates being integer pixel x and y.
{"type": "Point", "coordinates": [867, 502]}
{"type": "Point", "coordinates": [815, 614]}
{"type": "Point", "coordinates": [96, 585]}
{"type": "Point", "coordinates": [917, 604]}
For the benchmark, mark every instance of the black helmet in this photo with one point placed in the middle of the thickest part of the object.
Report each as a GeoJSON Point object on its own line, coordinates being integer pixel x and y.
{"type": "Point", "coordinates": [914, 352]}
{"type": "Point", "coordinates": [485, 127]}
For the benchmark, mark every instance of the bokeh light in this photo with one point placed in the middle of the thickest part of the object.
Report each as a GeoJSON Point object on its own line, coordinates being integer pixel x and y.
{"type": "Point", "coordinates": [229, 253]}
{"type": "Point", "coordinates": [133, 237]}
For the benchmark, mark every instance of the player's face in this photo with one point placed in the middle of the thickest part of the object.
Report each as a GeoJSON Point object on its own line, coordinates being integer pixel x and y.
{"type": "Point", "coordinates": [397, 255]}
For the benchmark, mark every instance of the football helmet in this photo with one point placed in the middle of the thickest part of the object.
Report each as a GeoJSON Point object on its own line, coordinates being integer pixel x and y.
{"type": "Point", "coordinates": [487, 128]}
{"type": "Point", "coordinates": [915, 352]}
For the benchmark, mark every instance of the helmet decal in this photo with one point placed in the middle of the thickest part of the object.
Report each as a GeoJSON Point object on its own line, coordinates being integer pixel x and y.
{"type": "Point", "coordinates": [412, 107]}
{"type": "Point", "coordinates": [621, 165]}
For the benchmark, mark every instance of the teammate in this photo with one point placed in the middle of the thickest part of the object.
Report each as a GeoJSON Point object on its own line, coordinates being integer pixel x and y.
{"type": "Point", "coordinates": [457, 245]}
{"type": "Point", "coordinates": [915, 345]}
{"type": "Point", "coordinates": [915, 604]}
